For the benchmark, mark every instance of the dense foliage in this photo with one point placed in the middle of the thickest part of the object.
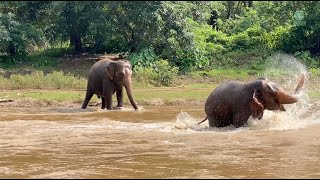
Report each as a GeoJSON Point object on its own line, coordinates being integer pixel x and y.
{"type": "Point", "coordinates": [190, 35]}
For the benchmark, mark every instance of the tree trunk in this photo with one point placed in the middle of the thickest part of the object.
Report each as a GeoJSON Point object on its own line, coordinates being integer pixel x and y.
{"type": "Point", "coordinates": [238, 10]}
{"type": "Point", "coordinates": [318, 44]}
{"type": "Point", "coordinates": [73, 28]}
{"type": "Point", "coordinates": [98, 47]}
{"type": "Point", "coordinates": [133, 44]}
{"type": "Point", "coordinates": [75, 41]}
{"type": "Point", "coordinates": [12, 49]}
{"type": "Point", "coordinates": [229, 9]}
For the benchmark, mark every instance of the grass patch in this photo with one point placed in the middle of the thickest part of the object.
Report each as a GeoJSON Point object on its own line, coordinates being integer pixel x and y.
{"type": "Point", "coordinates": [201, 86]}
{"type": "Point", "coordinates": [222, 74]}
{"type": "Point", "coordinates": [43, 95]}
{"type": "Point", "coordinates": [38, 80]}
{"type": "Point", "coordinates": [142, 96]}
{"type": "Point", "coordinates": [166, 96]}
{"type": "Point", "coordinates": [314, 94]}
{"type": "Point", "coordinates": [171, 94]}
{"type": "Point", "coordinates": [187, 94]}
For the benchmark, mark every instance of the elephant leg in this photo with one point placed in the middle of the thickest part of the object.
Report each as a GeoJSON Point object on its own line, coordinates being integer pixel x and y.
{"type": "Point", "coordinates": [240, 118]}
{"type": "Point", "coordinates": [103, 103]}
{"type": "Point", "coordinates": [219, 121]}
{"type": "Point", "coordinates": [108, 99]}
{"type": "Point", "coordinates": [89, 95]}
{"type": "Point", "coordinates": [120, 98]}
{"type": "Point", "coordinates": [213, 121]}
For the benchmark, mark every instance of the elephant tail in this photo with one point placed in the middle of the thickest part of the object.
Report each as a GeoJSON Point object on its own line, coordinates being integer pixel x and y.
{"type": "Point", "coordinates": [203, 120]}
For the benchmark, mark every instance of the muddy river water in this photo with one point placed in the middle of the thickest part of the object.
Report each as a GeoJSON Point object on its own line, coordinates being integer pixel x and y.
{"type": "Point", "coordinates": [156, 142]}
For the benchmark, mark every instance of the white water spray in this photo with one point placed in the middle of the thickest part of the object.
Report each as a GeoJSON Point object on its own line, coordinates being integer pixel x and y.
{"type": "Point", "coordinates": [297, 115]}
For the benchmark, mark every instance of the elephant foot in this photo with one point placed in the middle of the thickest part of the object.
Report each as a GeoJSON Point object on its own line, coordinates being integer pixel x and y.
{"type": "Point", "coordinates": [117, 108]}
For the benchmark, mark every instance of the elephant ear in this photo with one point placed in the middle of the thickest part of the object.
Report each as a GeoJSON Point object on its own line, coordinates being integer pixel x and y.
{"type": "Point", "coordinates": [257, 100]}
{"type": "Point", "coordinates": [110, 70]}
{"type": "Point", "coordinates": [128, 71]}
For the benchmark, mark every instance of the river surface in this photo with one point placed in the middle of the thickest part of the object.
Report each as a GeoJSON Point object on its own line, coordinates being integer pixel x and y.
{"type": "Point", "coordinates": [156, 142]}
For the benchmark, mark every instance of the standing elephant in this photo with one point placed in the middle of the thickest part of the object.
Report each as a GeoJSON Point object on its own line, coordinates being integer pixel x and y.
{"type": "Point", "coordinates": [234, 102]}
{"type": "Point", "coordinates": [107, 77]}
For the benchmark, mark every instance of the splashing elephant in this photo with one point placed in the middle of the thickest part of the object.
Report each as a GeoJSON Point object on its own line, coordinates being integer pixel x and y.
{"type": "Point", "coordinates": [234, 102]}
{"type": "Point", "coordinates": [107, 77]}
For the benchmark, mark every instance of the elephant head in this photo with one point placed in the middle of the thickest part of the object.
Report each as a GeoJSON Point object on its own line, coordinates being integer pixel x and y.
{"type": "Point", "coordinates": [120, 74]}
{"type": "Point", "coordinates": [267, 95]}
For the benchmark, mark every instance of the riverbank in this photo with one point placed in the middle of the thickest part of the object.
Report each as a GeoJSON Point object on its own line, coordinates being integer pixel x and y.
{"type": "Point", "coordinates": [64, 83]}
{"type": "Point", "coordinates": [191, 94]}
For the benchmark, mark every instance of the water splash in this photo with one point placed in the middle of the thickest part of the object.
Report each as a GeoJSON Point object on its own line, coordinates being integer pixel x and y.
{"type": "Point", "coordinates": [189, 124]}
{"type": "Point", "coordinates": [284, 64]}
{"type": "Point", "coordinates": [184, 121]}
{"type": "Point", "coordinates": [285, 70]}
{"type": "Point", "coordinates": [297, 115]}
{"type": "Point", "coordinates": [289, 68]}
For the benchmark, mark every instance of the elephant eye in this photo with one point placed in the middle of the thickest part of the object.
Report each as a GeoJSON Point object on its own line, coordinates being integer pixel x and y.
{"type": "Point", "coordinates": [120, 74]}
{"type": "Point", "coordinates": [272, 87]}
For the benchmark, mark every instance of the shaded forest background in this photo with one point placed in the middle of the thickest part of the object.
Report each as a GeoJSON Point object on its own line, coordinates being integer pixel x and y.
{"type": "Point", "coordinates": [183, 36]}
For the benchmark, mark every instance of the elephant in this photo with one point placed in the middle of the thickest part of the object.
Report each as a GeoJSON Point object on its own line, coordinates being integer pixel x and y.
{"type": "Point", "coordinates": [233, 102]}
{"type": "Point", "coordinates": [107, 77]}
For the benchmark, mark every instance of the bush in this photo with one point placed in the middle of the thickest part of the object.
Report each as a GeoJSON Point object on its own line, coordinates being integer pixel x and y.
{"type": "Point", "coordinates": [59, 80]}
{"type": "Point", "coordinates": [219, 48]}
{"type": "Point", "coordinates": [144, 75]}
{"type": "Point", "coordinates": [307, 58]}
{"type": "Point", "coordinates": [314, 71]}
{"type": "Point", "coordinates": [162, 75]}
{"type": "Point", "coordinates": [146, 59]}
{"type": "Point", "coordinates": [278, 38]}
{"type": "Point", "coordinates": [47, 58]}
{"type": "Point", "coordinates": [165, 73]}
{"type": "Point", "coordinates": [207, 43]}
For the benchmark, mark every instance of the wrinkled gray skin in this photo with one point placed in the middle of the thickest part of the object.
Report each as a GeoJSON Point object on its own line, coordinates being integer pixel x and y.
{"type": "Point", "coordinates": [107, 77]}
{"type": "Point", "coordinates": [234, 102]}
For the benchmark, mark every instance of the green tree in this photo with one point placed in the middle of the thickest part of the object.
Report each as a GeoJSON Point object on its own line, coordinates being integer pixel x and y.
{"type": "Point", "coordinates": [16, 32]}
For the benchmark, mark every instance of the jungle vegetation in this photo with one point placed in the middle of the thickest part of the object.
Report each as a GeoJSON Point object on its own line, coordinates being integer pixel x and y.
{"type": "Point", "coordinates": [162, 38]}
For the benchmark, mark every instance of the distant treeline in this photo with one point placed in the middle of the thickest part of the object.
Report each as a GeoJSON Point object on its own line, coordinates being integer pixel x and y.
{"type": "Point", "coordinates": [192, 35]}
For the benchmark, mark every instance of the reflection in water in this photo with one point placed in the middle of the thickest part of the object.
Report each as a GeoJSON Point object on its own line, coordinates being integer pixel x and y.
{"type": "Point", "coordinates": [156, 143]}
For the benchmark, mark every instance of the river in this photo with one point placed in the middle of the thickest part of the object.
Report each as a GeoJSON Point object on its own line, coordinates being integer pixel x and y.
{"type": "Point", "coordinates": [156, 142]}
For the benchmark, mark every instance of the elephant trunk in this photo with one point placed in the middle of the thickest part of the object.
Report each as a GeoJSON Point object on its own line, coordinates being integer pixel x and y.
{"type": "Point", "coordinates": [285, 98]}
{"type": "Point", "coordinates": [127, 85]}
{"type": "Point", "coordinates": [300, 83]}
